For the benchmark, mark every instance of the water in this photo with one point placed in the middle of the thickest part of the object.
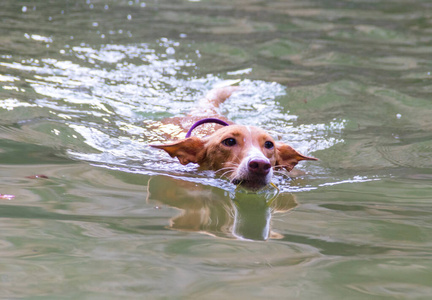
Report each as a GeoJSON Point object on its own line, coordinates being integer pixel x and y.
{"type": "Point", "coordinates": [84, 85]}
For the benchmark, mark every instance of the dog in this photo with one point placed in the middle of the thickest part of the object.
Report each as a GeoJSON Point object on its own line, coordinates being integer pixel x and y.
{"type": "Point", "coordinates": [248, 156]}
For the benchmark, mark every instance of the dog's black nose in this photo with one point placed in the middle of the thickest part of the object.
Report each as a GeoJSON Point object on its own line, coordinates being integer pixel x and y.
{"type": "Point", "coordinates": [259, 166]}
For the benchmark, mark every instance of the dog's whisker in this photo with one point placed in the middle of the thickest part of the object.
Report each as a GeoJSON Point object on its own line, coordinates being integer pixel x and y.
{"type": "Point", "coordinates": [280, 173]}
{"type": "Point", "coordinates": [226, 173]}
{"type": "Point", "coordinates": [234, 165]}
{"type": "Point", "coordinates": [275, 186]}
{"type": "Point", "coordinates": [223, 169]}
{"type": "Point", "coordinates": [238, 185]}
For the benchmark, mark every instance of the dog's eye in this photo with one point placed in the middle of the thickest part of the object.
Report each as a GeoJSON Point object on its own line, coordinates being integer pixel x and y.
{"type": "Point", "coordinates": [229, 142]}
{"type": "Point", "coordinates": [268, 145]}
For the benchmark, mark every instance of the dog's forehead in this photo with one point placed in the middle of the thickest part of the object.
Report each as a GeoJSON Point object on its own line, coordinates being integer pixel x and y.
{"type": "Point", "coordinates": [242, 131]}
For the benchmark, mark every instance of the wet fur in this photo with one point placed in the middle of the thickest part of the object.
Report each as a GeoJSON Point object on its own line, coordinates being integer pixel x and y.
{"type": "Point", "coordinates": [234, 161]}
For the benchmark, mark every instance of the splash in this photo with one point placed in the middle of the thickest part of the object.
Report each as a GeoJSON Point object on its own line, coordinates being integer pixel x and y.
{"type": "Point", "coordinates": [106, 96]}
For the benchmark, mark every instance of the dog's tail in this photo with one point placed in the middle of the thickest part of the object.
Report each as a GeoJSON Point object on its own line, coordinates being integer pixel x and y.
{"type": "Point", "coordinates": [208, 106]}
{"type": "Point", "coordinates": [218, 96]}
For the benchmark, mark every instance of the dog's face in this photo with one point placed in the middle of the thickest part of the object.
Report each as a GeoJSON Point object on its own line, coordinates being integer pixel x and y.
{"type": "Point", "coordinates": [246, 155]}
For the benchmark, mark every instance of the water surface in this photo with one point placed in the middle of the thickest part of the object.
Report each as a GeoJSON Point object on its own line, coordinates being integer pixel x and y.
{"type": "Point", "coordinates": [83, 84]}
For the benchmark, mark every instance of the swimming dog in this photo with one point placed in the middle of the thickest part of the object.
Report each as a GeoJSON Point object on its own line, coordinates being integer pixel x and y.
{"type": "Point", "coordinates": [246, 155]}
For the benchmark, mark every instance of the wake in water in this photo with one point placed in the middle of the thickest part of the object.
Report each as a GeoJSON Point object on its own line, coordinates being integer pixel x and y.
{"type": "Point", "coordinates": [107, 96]}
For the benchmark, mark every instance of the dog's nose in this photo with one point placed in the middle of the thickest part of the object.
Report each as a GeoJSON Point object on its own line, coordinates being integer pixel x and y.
{"type": "Point", "coordinates": [259, 166]}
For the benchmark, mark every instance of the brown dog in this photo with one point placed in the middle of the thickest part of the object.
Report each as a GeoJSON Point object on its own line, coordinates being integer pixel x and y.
{"type": "Point", "coordinates": [246, 155]}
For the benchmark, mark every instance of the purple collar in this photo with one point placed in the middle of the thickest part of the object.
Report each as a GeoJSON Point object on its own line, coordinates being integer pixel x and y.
{"type": "Point", "coordinates": [203, 121]}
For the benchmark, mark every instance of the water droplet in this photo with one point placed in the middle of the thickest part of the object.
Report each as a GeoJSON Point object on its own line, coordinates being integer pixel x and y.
{"type": "Point", "coordinates": [398, 116]}
{"type": "Point", "coordinates": [24, 9]}
{"type": "Point", "coordinates": [170, 51]}
{"type": "Point", "coordinates": [129, 17]}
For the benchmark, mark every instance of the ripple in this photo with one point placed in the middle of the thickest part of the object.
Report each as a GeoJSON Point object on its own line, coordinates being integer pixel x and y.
{"type": "Point", "coordinates": [107, 104]}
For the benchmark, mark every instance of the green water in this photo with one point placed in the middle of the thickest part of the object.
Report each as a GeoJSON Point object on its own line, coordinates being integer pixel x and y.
{"type": "Point", "coordinates": [83, 84]}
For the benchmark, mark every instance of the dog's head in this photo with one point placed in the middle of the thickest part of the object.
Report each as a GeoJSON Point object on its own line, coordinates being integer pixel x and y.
{"type": "Point", "coordinates": [246, 155]}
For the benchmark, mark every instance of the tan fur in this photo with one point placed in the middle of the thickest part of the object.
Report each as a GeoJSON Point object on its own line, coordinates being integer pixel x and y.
{"type": "Point", "coordinates": [233, 161]}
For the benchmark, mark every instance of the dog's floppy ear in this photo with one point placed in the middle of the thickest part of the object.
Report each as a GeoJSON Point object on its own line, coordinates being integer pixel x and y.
{"type": "Point", "coordinates": [288, 158]}
{"type": "Point", "coordinates": [188, 150]}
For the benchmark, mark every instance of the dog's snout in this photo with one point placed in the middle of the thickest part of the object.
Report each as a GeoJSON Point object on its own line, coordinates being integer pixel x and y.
{"type": "Point", "coordinates": [259, 166]}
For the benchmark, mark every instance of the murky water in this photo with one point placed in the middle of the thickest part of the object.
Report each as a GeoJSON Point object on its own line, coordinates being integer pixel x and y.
{"type": "Point", "coordinates": [84, 84]}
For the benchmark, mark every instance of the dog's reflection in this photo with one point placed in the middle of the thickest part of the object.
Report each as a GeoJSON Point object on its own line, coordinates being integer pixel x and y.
{"type": "Point", "coordinates": [217, 212]}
